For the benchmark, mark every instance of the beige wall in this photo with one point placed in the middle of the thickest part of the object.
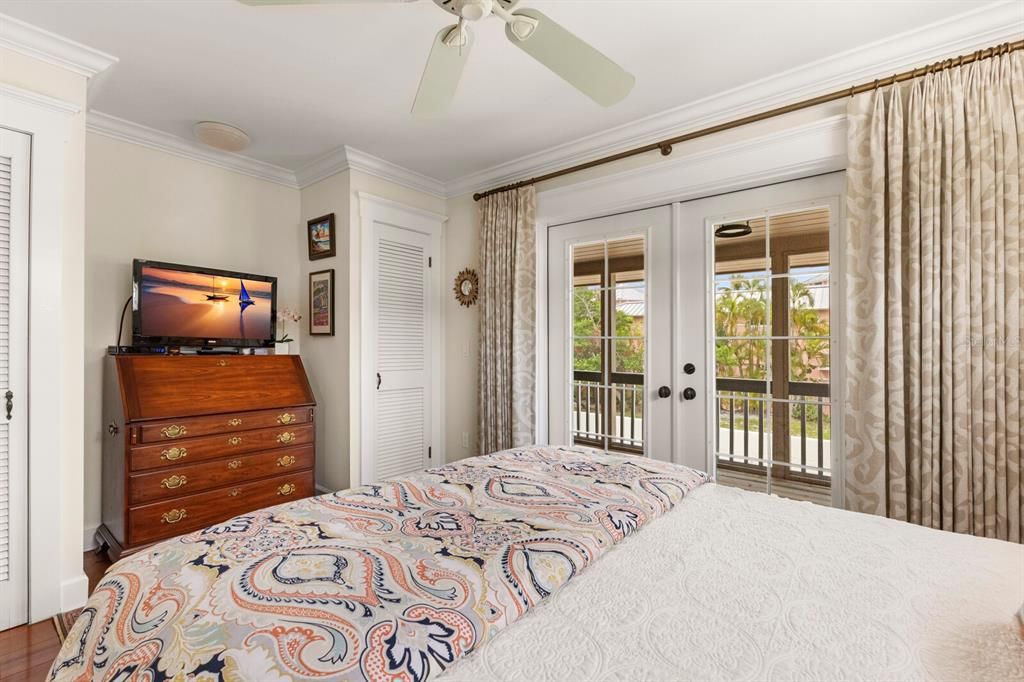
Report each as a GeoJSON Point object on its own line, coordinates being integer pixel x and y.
{"type": "Point", "coordinates": [144, 203]}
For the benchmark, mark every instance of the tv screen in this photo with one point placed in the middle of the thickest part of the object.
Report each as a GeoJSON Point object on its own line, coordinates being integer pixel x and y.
{"type": "Point", "coordinates": [183, 305]}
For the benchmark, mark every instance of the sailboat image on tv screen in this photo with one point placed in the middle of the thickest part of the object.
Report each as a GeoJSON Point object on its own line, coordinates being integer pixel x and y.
{"type": "Point", "coordinates": [213, 295]}
{"type": "Point", "coordinates": [244, 300]}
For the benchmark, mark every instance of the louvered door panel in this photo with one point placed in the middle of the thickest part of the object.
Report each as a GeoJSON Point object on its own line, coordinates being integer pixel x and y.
{"type": "Point", "coordinates": [14, 212]}
{"type": "Point", "coordinates": [402, 344]}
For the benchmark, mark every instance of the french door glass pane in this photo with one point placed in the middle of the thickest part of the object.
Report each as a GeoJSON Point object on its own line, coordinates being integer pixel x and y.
{"type": "Point", "coordinates": [609, 346]}
{"type": "Point", "coordinates": [772, 397]}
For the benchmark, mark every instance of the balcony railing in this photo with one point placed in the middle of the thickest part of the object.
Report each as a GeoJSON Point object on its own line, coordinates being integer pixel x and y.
{"type": "Point", "coordinates": [611, 416]}
{"type": "Point", "coordinates": [800, 438]}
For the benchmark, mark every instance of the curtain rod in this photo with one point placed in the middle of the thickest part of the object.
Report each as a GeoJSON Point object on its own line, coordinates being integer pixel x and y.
{"type": "Point", "coordinates": [665, 146]}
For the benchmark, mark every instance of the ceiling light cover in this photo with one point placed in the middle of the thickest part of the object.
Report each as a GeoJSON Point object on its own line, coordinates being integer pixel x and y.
{"type": "Point", "coordinates": [221, 136]}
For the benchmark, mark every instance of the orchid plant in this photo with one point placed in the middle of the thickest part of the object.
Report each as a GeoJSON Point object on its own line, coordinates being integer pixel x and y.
{"type": "Point", "coordinates": [284, 316]}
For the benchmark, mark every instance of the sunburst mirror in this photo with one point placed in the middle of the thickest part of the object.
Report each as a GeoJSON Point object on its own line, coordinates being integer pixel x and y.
{"type": "Point", "coordinates": [467, 287]}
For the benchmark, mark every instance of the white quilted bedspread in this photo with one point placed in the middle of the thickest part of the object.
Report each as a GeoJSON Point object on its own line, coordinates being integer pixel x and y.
{"type": "Point", "coordinates": [742, 586]}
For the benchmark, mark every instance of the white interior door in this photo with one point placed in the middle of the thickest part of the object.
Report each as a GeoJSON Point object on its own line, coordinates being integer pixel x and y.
{"type": "Point", "coordinates": [14, 194]}
{"type": "Point", "coordinates": [758, 285]}
{"type": "Point", "coordinates": [400, 395]}
{"type": "Point", "coordinates": [610, 382]}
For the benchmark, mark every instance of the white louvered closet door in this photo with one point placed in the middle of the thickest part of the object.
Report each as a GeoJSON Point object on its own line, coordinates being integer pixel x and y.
{"type": "Point", "coordinates": [402, 413]}
{"type": "Point", "coordinates": [14, 178]}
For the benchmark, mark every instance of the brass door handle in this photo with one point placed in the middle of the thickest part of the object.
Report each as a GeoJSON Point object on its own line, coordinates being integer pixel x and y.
{"type": "Point", "coordinates": [286, 489]}
{"type": "Point", "coordinates": [286, 437]}
{"type": "Point", "coordinates": [234, 440]}
{"type": "Point", "coordinates": [173, 431]}
{"type": "Point", "coordinates": [172, 482]}
{"type": "Point", "coordinates": [173, 516]}
{"type": "Point", "coordinates": [234, 422]}
{"type": "Point", "coordinates": [173, 454]}
{"type": "Point", "coordinates": [234, 464]}
{"type": "Point", "coordinates": [286, 418]}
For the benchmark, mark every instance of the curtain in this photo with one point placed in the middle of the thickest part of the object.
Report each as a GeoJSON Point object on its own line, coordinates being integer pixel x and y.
{"type": "Point", "coordinates": [508, 286]}
{"type": "Point", "coordinates": [934, 300]}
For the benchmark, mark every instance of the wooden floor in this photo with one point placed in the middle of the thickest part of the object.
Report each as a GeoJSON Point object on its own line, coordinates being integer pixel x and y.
{"type": "Point", "coordinates": [26, 652]}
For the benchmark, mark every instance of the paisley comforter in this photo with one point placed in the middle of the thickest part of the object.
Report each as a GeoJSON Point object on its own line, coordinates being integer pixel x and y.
{"type": "Point", "coordinates": [393, 581]}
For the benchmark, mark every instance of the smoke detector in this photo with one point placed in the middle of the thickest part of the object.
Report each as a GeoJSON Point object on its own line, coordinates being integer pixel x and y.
{"type": "Point", "coordinates": [221, 136]}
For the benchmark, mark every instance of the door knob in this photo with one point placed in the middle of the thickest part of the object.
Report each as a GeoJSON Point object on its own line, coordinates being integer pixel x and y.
{"type": "Point", "coordinates": [689, 368]}
{"type": "Point", "coordinates": [664, 392]}
{"type": "Point", "coordinates": [689, 393]}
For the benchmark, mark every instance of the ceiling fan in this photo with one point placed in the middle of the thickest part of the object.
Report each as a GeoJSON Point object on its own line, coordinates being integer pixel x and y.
{"type": "Point", "coordinates": [534, 33]}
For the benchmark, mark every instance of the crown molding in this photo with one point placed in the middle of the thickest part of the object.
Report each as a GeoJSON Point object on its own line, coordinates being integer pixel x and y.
{"type": "Point", "coordinates": [347, 158]}
{"type": "Point", "coordinates": [51, 48]}
{"type": "Point", "coordinates": [126, 131]}
{"type": "Point", "coordinates": [38, 99]}
{"type": "Point", "coordinates": [985, 26]}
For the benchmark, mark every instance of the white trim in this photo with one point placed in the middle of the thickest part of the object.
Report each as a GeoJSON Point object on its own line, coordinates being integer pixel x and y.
{"type": "Point", "coordinates": [37, 99]}
{"type": "Point", "coordinates": [56, 580]}
{"type": "Point", "coordinates": [374, 209]}
{"type": "Point", "coordinates": [979, 28]}
{"type": "Point", "coordinates": [322, 490]}
{"type": "Point", "coordinates": [51, 48]}
{"type": "Point", "coordinates": [348, 158]}
{"type": "Point", "coordinates": [89, 538]}
{"type": "Point", "coordinates": [126, 131]}
{"type": "Point", "coordinates": [799, 151]}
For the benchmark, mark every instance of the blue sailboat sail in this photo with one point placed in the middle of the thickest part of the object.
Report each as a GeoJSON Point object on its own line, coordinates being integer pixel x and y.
{"type": "Point", "coordinates": [244, 300]}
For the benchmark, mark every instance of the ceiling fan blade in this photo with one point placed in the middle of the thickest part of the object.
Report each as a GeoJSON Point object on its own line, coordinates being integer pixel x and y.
{"type": "Point", "coordinates": [258, 3]}
{"type": "Point", "coordinates": [579, 64]}
{"type": "Point", "coordinates": [442, 73]}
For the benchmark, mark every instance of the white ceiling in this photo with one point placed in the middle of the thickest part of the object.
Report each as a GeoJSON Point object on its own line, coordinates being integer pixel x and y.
{"type": "Point", "coordinates": [305, 80]}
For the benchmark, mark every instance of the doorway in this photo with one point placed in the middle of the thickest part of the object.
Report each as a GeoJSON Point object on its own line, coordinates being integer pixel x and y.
{"type": "Point", "coordinates": [703, 333]}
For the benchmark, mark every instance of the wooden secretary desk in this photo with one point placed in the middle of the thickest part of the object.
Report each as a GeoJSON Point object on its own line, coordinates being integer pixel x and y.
{"type": "Point", "coordinates": [192, 440]}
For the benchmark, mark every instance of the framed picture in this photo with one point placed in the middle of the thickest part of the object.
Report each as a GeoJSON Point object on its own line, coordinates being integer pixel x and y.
{"type": "Point", "coordinates": [320, 233]}
{"type": "Point", "coordinates": [321, 303]}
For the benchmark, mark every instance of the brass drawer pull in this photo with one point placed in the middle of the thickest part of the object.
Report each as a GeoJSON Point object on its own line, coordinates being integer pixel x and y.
{"type": "Point", "coordinates": [286, 437]}
{"type": "Point", "coordinates": [234, 492]}
{"type": "Point", "coordinates": [234, 464]}
{"type": "Point", "coordinates": [286, 418]}
{"type": "Point", "coordinates": [172, 482]}
{"type": "Point", "coordinates": [173, 454]}
{"type": "Point", "coordinates": [235, 422]}
{"type": "Point", "coordinates": [286, 489]}
{"type": "Point", "coordinates": [286, 461]}
{"type": "Point", "coordinates": [173, 431]}
{"type": "Point", "coordinates": [222, 363]}
{"type": "Point", "coordinates": [234, 440]}
{"type": "Point", "coordinates": [173, 516]}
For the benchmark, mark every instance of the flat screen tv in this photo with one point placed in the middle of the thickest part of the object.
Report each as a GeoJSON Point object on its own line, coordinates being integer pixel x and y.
{"type": "Point", "coordinates": [185, 305]}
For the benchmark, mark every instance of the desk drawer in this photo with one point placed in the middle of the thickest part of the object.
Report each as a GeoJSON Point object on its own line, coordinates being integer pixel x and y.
{"type": "Point", "coordinates": [189, 427]}
{"type": "Point", "coordinates": [191, 450]}
{"type": "Point", "coordinates": [193, 478]}
{"type": "Point", "coordinates": [161, 520]}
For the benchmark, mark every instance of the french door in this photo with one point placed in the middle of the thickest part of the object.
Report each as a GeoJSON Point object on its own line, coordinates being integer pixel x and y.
{"type": "Point", "coordinates": [610, 333]}
{"type": "Point", "coordinates": [733, 304]}
{"type": "Point", "coordinates": [14, 194]}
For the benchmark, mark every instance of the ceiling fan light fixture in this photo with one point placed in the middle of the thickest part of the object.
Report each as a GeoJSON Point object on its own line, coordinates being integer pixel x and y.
{"type": "Point", "coordinates": [733, 230]}
{"type": "Point", "coordinates": [226, 138]}
{"type": "Point", "coordinates": [475, 10]}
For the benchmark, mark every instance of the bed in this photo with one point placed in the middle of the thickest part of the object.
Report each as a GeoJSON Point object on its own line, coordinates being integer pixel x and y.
{"type": "Point", "coordinates": [547, 563]}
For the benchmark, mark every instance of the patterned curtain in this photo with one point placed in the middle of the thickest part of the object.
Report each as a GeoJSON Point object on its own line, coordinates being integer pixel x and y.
{"type": "Point", "coordinates": [508, 285]}
{"type": "Point", "coordinates": [935, 276]}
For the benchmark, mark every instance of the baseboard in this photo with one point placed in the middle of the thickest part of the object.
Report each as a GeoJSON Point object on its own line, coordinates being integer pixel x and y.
{"type": "Point", "coordinates": [321, 490]}
{"type": "Point", "coordinates": [89, 538]}
{"type": "Point", "coordinates": [74, 592]}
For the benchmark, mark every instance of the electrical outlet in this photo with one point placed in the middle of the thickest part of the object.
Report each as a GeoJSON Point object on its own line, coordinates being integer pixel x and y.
{"type": "Point", "coordinates": [465, 440]}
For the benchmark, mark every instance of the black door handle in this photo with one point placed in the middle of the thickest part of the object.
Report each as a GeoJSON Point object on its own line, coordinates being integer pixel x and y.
{"type": "Point", "coordinates": [689, 393]}
{"type": "Point", "coordinates": [664, 392]}
{"type": "Point", "coordinates": [689, 368]}
{"type": "Point", "coordinates": [378, 381]}
{"type": "Point", "coordinates": [10, 403]}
